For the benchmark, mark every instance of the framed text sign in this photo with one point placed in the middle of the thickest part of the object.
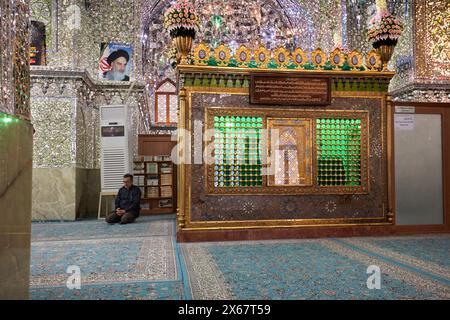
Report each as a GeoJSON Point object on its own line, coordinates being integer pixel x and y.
{"type": "Point", "coordinates": [290, 90]}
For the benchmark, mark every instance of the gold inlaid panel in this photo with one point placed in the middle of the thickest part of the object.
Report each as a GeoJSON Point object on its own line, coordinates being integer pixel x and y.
{"type": "Point", "coordinates": [188, 216]}
{"type": "Point", "coordinates": [290, 152]}
{"type": "Point", "coordinates": [291, 115]}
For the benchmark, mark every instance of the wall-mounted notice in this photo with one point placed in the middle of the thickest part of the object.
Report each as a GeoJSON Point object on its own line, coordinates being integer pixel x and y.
{"type": "Point", "coordinates": [405, 109]}
{"type": "Point", "coordinates": [404, 122]}
{"type": "Point", "coordinates": [290, 90]}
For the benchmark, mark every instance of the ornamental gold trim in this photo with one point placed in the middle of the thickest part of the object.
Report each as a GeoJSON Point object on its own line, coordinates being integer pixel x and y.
{"type": "Point", "coordinates": [184, 209]}
{"type": "Point", "coordinates": [201, 54]}
{"type": "Point", "coordinates": [337, 58]}
{"type": "Point", "coordinates": [292, 114]}
{"type": "Point", "coordinates": [344, 74]}
{"type": "Point", "coordinates": [305, 165]}
{"type": "Point", "coordinates": [355, 60]}
{"type": "Point", "coordinates": [281, 56]}
{"type": "Point", "coordinates": [223, 55]}
{"type": "Point", "coordinates": [291, 223]}
{"type": "Point", "coordinates": [299, 57]}
{"type": "Point", "coordinates": [243, 55]}
{"type": "Point", "coordinates": [262, 56]}
{"type": "Point", "coordinates": [318, 58]}
{"type": "Point", "coordinates": [373, 60]}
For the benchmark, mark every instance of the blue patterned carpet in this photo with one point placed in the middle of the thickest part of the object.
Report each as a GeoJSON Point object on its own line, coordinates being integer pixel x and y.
{"type": "Point", "coordinates": [143, 261]}
{"type": "Point", "coordinates": [135, 261]}
{"type": "Point", "coordinates": [301, 271]}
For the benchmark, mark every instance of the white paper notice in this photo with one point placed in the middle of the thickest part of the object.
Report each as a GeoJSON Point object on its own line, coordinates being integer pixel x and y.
{"type": "Point", "coordinates": [405, 109]}
{"type": "Point", "coordinates": [404, 122]}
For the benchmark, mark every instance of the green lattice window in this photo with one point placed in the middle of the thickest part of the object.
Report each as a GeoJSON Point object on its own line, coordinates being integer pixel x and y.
{"type": "Point", "coordinates": [339, 152]}
{"type": "Point", "coordinates": [237, 151]}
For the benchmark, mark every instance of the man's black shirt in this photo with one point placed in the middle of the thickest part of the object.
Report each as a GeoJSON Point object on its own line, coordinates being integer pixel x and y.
{"type": "Point", "coordinates": [129, 200]}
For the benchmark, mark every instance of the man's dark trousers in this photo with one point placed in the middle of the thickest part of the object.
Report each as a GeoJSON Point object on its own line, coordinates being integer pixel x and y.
{"type": "Point", "coordinates": [128, 217]}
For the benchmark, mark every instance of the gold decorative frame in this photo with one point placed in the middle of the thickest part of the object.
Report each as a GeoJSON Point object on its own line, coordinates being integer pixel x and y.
{"type": "Point", "coordinates": [373, 60]}
{"type": "Point", "coordinates": [239, 52]}
{"type": "Point", "coordinates": [281, 56]}
{"type": "Point", "coordinates": [222, 54]}
{"type": "Point", "coordinates": [305, 166]}
{"type": "Point", "coordinates": [199, 49]}
{"type": "Point", "coordinates": [355, 64]}
{"type": "Point", "coordinates": [385, 215]}
{"type": "Point", "coordinates": [299, 57]}
{"type": "Point", "coordinates": [262, 52]}
{"type": "Point", "coordinates": [292, 114]}
{"type": "Point", "coordinates": [338, 55]}
{"type": "Point", "coordinates": [318, 58]}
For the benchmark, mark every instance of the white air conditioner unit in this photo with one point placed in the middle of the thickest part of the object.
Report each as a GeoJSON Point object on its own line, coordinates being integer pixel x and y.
{"type": "Point", "coordinates": [115, 146]}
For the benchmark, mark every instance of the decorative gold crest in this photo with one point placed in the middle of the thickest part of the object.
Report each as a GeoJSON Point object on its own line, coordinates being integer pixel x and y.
{"type": "Point", "coordinates": [337, 58]}
{"type": "Point", "coordinates": [281, 56]}
{"type": "Point", "coordinates": [299, 57]}
{"type": "Point", "coordinates": [373, 60]}
{"type": "Point", "coordinates": [222, 54]}
{"type": "Point", "coordinates": [262, 56]}
{"type": "Point", "coordinates": [243, 56]}
{"type": "Point", "coordinates": [355, 59]}
{"type": "Point", "coordinates": [318, 58]}
{"type": "Point", "coordinates": [201, 54]}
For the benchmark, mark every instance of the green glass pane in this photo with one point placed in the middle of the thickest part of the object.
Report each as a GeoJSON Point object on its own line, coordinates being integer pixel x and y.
{"type": "Point", "coordinates": [338, 152]}
{"type": "Point", "coordinates": [237, 145]}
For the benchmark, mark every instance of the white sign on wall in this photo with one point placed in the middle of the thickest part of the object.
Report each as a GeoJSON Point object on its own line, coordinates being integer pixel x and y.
{"type": "Point", "coordinates": [405, 109]}
{"type": "Point", "coordinates": [404, 122]}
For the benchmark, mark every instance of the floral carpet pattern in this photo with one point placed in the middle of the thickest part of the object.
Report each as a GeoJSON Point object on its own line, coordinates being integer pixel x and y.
{"type": "Point", "coordinates": [307, 269]}
{"type": "Point", "coordinates": [143, 261]}
{"type": "Point", "coordinates": [135, 261]}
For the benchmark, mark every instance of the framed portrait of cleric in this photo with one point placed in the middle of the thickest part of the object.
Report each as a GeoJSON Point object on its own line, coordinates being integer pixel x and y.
{"type": "Point", "coordinates": [116, 62]}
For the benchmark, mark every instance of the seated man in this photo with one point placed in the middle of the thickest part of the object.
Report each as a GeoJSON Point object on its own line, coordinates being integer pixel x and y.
{"type": "Point", "coordinates": [128, 203]}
